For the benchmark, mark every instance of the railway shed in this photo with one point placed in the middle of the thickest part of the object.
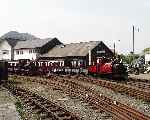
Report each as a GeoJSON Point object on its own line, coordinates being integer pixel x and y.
{"type": "Point", "coordinates": [77, 54]}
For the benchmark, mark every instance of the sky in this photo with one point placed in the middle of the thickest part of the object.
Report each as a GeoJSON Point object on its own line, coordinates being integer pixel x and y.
{"type": "Point", "coordinates": [73, 21]}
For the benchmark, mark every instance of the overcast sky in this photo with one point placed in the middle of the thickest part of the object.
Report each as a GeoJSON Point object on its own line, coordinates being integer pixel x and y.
{"type": "Point", "coordinates": [80, 20]}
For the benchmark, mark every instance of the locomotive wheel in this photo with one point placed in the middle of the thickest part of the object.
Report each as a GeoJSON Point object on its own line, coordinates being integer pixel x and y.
{"type": "Point", "coordinates": [136, 72]}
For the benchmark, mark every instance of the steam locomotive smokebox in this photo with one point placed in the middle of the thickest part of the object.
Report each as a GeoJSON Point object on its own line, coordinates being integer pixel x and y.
{"type": "Point", "coordinates": [3, 70]}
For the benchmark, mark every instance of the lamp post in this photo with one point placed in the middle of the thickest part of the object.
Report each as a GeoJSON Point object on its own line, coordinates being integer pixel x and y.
{"type": "Point", "coordinates": [89, 55]}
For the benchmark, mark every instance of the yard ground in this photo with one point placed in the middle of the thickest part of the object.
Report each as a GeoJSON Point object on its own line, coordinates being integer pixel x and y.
{"type": "Point", "coordinates": [140, 76]}
{"type": "Point", "coordinates": [7, 106]}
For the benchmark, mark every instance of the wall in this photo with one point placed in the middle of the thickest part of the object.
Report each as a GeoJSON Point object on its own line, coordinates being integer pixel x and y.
{"type": "Point", "coordinates": [147, 58]}
{"type": "Point", "coordinates": [5, 51]}
{"type": "Point", "coordinates": [25, 54]}
{"type": "Point", "coordinates": [101, 50]}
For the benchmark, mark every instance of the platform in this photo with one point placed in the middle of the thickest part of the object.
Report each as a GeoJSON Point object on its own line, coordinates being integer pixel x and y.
{"type": "Point", "coordinates": [7, 106]}
{"type": "Point", "coordinates": [140, 76]}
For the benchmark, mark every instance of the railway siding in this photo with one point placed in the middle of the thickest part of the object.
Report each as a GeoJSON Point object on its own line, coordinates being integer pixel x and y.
{"type": "Point", "coordinates": [122, 88]}
{"type": "Point", "coordinates": [77, 89]}
{"type": "Point", "coordinates": [73, 104]}
{"type": "Point", "coordinates": [45, 108]}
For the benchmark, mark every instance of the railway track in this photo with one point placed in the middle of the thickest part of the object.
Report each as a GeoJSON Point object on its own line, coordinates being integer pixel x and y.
{"type": "Point", "coordinates": [139, 90]}
{"type": "Point", "coordinates": [118, 110]}
{"type": "Point", "coordinates": [132, 87]}
{"type": "Point", "coordinates": [141, 85]}
{"type": "Point", "coordinates": [47, 110]}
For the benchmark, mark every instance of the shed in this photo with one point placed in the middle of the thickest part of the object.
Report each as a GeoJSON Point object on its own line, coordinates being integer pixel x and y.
{"type": "Point", "coordinates": [78, 53]}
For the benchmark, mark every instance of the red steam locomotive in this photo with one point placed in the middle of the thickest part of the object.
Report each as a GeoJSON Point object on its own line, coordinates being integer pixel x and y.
{"type": "Point", "coordinates": [113, 69]}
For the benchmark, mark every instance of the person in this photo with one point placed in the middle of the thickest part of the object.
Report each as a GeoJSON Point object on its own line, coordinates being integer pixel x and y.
{"type": "Point", "coordinates": [13, 67]}
{"type": "Point", "coordinates": [136, 69]}
{"type": "Point", "coordinates": [44, 68]}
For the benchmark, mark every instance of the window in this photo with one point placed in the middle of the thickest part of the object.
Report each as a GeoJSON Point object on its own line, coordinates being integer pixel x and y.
{"type": "Point", "coordinates": [37, 50]}
{"type": "Point", "coordinates": [17, 52]}
{"type": "Point", "coordinates": [33, 50]}
{"type": "Point", "coordinates": [30, 51]}
{"type": "Point", "coordinates": [5, 52]}
{"type": "Point", "coordinates": [21, 52]}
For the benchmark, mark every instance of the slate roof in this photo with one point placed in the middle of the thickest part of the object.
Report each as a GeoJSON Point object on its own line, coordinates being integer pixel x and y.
{"type": "Point", "coordinates": [32, 43]}
{"type": "Point", "coordinates": [11, 42]}
{"type": "Point", "coordinates": [73, 49]}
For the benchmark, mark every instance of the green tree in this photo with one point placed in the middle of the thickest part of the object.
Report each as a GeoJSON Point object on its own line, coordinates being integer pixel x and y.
{"type": "Point", "coordinates": [129, 58]}
{"type": "Point", "coordinates": [146, 50]}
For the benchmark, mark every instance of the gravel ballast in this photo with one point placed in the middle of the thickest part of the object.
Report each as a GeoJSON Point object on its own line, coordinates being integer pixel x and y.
{"type": "Point", "coordinates": [73, 105]}
{"type": "Point", "coordinates": [82, 109]}
{"type": "Point", "coordinates": [137, 104]}
{"type": "Point", "coordinates": [7, 106]}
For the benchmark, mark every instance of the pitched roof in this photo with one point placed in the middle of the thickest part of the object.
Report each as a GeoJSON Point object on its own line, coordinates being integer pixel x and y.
{"type": "Point", "coordinates": [32, 43]}
{"type": "Point", "coordinates": [11, 42]}
{"type": "Point", "coordinates": [73, 49]}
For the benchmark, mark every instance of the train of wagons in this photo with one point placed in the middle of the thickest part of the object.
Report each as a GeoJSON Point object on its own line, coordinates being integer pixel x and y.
{"type": "Point", "coordinates": [107, 68]}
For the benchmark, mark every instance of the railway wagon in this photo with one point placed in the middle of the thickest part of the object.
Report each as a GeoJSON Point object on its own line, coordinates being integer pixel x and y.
{"type": "Point", "coordinates": [103, 68]}
{"type": "Point", "coordinates": [3, 70]}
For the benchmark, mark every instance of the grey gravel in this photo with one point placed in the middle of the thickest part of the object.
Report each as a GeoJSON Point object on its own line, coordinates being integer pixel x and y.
{"type": "Point", "coordinates": [82, 109]}
{"type": "Point", "coordinates": [76, 106]}
{"type": "Point", "coordinates": [137, 104]}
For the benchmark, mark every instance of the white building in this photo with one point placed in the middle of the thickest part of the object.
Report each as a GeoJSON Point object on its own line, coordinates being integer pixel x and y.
{"type": "Point", "coordinates": [32, 49]}
{"type": "Point", "coordinates": [6, 49]}
{"type": "Point", "coordinates": [147, 58]}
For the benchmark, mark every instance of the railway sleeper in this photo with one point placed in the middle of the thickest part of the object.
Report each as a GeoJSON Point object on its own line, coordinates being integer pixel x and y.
{"type": "Point", "coordinates": [63, 115]}
{"type": "Point", "coordinates": [37, 110]}
{"type": "Point", "coordinates": [40, 110]}
{"type": "Point", "coordinates": [105, 106]}
{"type": "Point", "coordinates": [43, 115]}
{"type": "Point", "coordinates": [30, 103]}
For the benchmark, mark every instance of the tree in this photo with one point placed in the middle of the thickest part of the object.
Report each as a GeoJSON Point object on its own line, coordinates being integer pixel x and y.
{"type": "Point", "coordinates": [129, 58]}
{"type": "Point", "coordinates": [146, 50]}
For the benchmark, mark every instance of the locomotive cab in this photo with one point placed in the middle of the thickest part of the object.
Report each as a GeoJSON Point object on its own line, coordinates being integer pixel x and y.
{"type": "Point", "coordinates": [119, 71]}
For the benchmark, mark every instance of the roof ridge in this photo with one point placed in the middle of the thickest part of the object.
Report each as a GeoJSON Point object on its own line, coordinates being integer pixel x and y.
{"type": "Point", "coordinates": [82, 42]}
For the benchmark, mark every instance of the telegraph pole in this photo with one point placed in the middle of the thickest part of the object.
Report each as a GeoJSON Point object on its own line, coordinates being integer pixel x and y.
{"type": "Point", "coordinates": [133, 38]}
{"type": "Point", "coordinates": [133, 30]}
{"type": "Point", "coordinates": [114, 49]}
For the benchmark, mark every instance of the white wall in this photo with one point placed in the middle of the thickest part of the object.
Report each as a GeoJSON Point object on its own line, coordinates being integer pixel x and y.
{"type": "Point", "coordinates": [25, 55]}
{"type": "Point", "coordinates": [5, 48]}
{"type": "Point", "coordinates": [147, 58]}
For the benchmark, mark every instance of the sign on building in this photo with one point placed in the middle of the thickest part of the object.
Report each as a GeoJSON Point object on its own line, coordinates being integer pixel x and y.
{"type": "Point", "coordinates": [102, 51]}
